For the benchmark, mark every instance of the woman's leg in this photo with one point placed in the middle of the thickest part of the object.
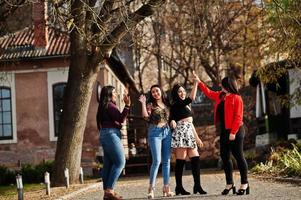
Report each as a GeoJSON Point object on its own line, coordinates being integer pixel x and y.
{"type": "Point", "coordinates": [155, 144]}
{"type": "Point", "coordinates": [225, 155]}
{"type": "Point", "coordinates": [166, 153]}
{"type": "Point", "coordinates": [195, 168]}
{"type": "Point", "coordinates": [181, 154]}
{"type": "Point", "coordinates": [107, 165]}
{"type": "Point", "coordinates": [114, 149]}
{"type": "Point", "coordinates": [237, 151]}
{"type": "Point", "coordinates": [192, 152]}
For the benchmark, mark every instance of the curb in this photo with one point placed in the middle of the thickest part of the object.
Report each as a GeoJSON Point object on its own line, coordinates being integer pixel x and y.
{"type": "Point", "coordinates": [72, 194]}
{"type": "Point", "coordinates": [281, 179]}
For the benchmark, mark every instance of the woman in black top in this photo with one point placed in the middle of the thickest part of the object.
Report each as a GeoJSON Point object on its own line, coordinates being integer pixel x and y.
{"type": "Point", "coordinates": [185, 138]}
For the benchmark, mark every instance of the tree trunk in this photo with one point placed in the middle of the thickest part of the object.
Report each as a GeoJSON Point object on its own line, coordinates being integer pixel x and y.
{"type": "Point", "coordinates": [76, 103]}
{"type": "Point", "coordinates": [82, 75]}
{"type": "Point", "coordinates": [77, 98]}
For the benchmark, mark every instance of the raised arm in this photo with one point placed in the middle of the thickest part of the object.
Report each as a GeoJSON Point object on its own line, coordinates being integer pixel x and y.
{"type": "Point", "coordinates": [194, 90]}
{"type": "Point", "coordinates": [209, 93]}
{"type": "Point", "coordinates": [142, 100]}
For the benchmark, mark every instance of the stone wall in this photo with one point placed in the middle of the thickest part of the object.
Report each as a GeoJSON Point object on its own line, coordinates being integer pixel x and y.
{"type": "Point", "coordinates": [211, 142]}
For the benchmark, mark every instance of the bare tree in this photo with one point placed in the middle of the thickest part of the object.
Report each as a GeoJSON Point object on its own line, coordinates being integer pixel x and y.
{"type": "Point", "coordinates": [95, 27]}
{"type": "Point", "coordinates": [208, 36]}
{"type": "Point", "coordinates": [8, 9]}
{"type": "Point", "coordinates": [228, 32]}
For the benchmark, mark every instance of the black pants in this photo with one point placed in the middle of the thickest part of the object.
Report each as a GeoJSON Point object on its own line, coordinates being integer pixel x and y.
{"type": "Point", "coordinates": [236, 148]}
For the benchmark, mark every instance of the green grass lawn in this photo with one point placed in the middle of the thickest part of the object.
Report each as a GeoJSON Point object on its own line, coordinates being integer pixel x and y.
{"type": "Point", "coordinates": [10, 190]}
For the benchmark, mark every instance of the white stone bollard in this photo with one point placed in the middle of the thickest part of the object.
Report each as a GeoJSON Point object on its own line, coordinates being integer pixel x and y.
{"type": "Point", "coordinates": [47, 183]}
{"type": "Point", "coordinates": [66, 172]}
{"type": "Point", "coordinates": [81, 175]}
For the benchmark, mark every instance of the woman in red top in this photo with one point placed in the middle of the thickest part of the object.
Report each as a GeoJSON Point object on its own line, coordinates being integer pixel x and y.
{"type": "Point", "coordinates": [228, 112]}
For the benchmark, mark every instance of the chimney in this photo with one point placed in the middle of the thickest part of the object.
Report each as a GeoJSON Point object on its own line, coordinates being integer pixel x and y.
{"type": "Point", "coordinates": [39, 13]}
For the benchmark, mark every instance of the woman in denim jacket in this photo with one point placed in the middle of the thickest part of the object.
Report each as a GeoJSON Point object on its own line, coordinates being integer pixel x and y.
{"type": "Point", "coordinates": [159, 137]}
{"type": "Point", "coordinates": [109, 122]}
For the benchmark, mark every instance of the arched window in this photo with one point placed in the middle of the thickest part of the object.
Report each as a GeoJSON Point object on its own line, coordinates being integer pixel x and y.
{"type": "Point", "coordinates": [58, 90]}
{"type": "Point", "coordinates": [6, 126]}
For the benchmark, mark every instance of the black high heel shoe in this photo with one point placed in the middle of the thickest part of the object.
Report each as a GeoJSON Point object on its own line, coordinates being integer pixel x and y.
{"type": "Point", "coordinates": [244, 191]}
{"type": "Point", "coordinates": [181, 191]}
{"type": "Point", "coordinates": [226, 191]}
{"type": "Point", "coordinates": [198, 189]}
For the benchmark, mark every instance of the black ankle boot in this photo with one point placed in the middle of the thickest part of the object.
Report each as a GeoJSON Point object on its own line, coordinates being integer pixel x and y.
{"type": "Point", "coordinates": [181, 191]}
{"type": "Point", "coordinates": [198, 189]}
{"type": "Point", "coordinates": [195, 168]}
{"type": "Point", "coordinates": [178, 174]}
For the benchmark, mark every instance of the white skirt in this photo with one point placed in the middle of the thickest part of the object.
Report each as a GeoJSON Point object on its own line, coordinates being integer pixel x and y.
{"type": "Point", "coordinates": [183, 136]}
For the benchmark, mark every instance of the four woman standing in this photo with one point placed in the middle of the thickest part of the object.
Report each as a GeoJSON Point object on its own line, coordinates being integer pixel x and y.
{"type": "Point", "coordinates": [228, 111]}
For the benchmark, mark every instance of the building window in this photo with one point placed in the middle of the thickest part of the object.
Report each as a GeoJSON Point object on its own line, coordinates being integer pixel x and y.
{"type": "Point", "coordinates": [6, 127]}
{"type": "Point", "coordinates": [57, 80]}
{"type": "Point", "coordinates": [58, 94]}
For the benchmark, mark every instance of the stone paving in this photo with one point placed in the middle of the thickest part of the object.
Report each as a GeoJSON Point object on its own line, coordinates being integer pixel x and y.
{"type": "Point", "coordinates": [212, 181]}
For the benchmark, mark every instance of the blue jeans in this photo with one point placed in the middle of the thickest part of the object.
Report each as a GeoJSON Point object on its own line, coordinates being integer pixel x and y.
{"type": "Point", "coordinates": [159, 139]}
{"type": "Point", "coordinates": [114, 158]}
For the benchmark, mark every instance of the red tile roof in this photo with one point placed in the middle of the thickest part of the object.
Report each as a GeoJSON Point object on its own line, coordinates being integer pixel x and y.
{"type": "Point", "coordinates": [20, 45]}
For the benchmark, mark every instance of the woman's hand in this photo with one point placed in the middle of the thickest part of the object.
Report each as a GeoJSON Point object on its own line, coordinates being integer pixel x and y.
{"type": "Point", "coordinates": [127, 99]}
{"type": "Point", "coordinates": [145, 110]}
{"type": "Point", "coordinates": [231, 137]}
{"type": "Point", "coordinates": [142, 99]}
{"type": "Point", "coordinates": [199, 143]}
{"type": "Point", "coordinates": [195, 77]}
{"type": "Point", "coordinates": [173, 124]}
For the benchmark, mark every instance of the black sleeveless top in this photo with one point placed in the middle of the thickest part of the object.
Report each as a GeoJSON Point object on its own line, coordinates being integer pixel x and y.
{"type": "Point", "coordinates": [180, 110]}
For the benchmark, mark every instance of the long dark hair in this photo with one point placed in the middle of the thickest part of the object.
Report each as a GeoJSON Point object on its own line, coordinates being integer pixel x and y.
{"type": "Point", "coordinates": [230, 85]}
{"type": "Point", "coordinates": [104, 99]}
{"type": "Point", "coordinates": [174, 93]}
{"type": "Point", "coordinates": [163, 96]}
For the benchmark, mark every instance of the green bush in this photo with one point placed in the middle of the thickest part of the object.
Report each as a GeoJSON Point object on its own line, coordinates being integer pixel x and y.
{"type": "Point", "coordinates": [285, 161]}
{"type": "Point", "coordinates": [30, 173]}
{"type": "Point", "coordinates": [6, 176]}
{"type": "Point", "coordinates": [35, 174]}
{"type": "Point", "coordinates": [290, 162]}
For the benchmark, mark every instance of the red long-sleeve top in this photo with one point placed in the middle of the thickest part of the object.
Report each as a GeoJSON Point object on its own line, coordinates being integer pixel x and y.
{"type": "Point", "coordinates": [233, 108]}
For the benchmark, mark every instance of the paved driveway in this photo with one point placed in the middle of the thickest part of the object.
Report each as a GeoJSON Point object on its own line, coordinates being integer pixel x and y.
{"type": "Point", "coordinates": [213, 182]}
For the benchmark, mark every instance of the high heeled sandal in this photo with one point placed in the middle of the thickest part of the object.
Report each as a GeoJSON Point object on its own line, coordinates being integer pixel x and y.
{"type": "Point", "coordinates": [167, 192]}
{"type": "Point", "coordinates": [226, 191]}
{"type": "Point", "coordinates": [151, 194]}
{"type": "Point", "coordinates": [244, 191]}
